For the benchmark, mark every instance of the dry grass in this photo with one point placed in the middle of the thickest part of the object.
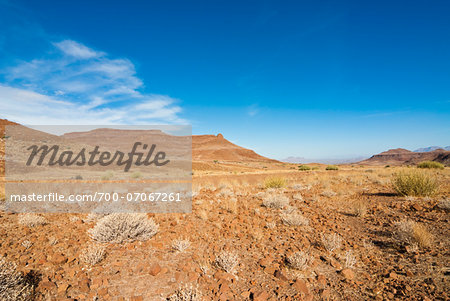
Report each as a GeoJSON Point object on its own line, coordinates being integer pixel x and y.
{"type": "Point", "coordinates": [275, 182]}
{"type": "Point", "coordinates": [331, 242]}
{"type": "Point", "coordinates": [13, 285]}
{"type": "Point", "coordinates": [32, 220]}
{"type": "Point", "coordinates": [227, 261]}
{"type": "Point", "coordinates": [93, 254]}
{"type": "Point", "coordinates": [415, 183]}
{"type": "Point", "coordinates": [121, 227]}
{"type": "Point", "coordinates": [359, 208]}
{"type": "Point", "coordinates": [294, 219]}
{"type": "Point", "coordinates": [299, 260]}
{"type": "Point", "coordinates": [328, 193]}
{"type": "Point", "coordinates": [350, 259]}
{"type": "Point", "coordinates": [181, 245]}
{"type": "Point", "coordinates": [444, 204]}
{"type": "Point", "coordinates": [186, 293]}
{"type": "Point", "coordinates": [230, 205]}
{"type": "Point", "coordinates": [412, 233]}
{"type": "Point", "coordinates": [277, 201]}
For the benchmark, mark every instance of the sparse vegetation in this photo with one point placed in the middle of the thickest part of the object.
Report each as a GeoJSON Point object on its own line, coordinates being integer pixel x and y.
{"type": "Point", "coordinates": [299, 260]}
{"type": "Point", "coordinates": [227, 261]}
{"type": "Point", "coordinates": [93, 254]}
{"type": "Point", "coordinates": [294, 219]}
{"type": "Point", "coordinates": [331, 167]}
{"type": "Point", "coordinates": [108, 176]}
{"type": "Point", "coordinates": [331, 242]}
{"type": "Point", "coordinates": [13, 285]}
{"type": "Point", "coordinates": [32, 220]}
{"type": "Point", "coordinates": [350, 259]}
{"type": "Point", "coordinates": [186, 293]}
{"type": "Point", "coordinates": [444, 204]}
{"type": "Point", "coordinates": [181, 245]}
{"type": "Point", "coordinates": [304, 167]}
{"type": "Point", "coordinates": [230, 205]}
{"type": "Point", "coordinates": [277, 201]}
{"type": "Point", "coordinates": [412, 233]}
{"type": "Point", "coordinates": [359, 208]}
{"type": "Point", "coordinates": [430, 164]}
{"type": "Point", "coordinates": [415, 183]}
{"type": "Point", "coordinates": [121, 227]}
{"type": "Point", "coordinates": [275, 182]}
{"type": "Point", "coordinates": [136, 175]}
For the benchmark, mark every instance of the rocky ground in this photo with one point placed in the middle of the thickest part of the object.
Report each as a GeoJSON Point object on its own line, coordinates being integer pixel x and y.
{"type": "Point", "coordinates": [327, 235]}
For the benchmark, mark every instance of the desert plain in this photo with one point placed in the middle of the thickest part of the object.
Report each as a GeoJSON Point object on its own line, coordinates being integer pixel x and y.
{"type": "Point", "coordinates": [260, 229]}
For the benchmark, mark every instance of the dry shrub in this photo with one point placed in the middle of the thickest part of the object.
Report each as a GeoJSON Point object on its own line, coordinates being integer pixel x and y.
{"type": "Point", "coordinates": [181, 245]}
{"type": "Point", "coordinates": [328, 193]}
{"type": "Point", "coordinates": [27, 244]}
{"type": "Point", "coordinates": [276, 201]}
{"type": "Point", "coordinates": [350, 259]}
{"type": "Point", "coordinates": [93, 254]}
{"type": "Point", "coordinates": [275, 182]}
{"type": "Point", "coordinates": [186, 293]}
{"type": "Point", "coordinates": [299, 260]}
{"type": "Point", "coordinates": [297, 197]}
{"type": "Point", "coordinates": [230, 205]}
{"type": "Point", "coordinates": [227, 261]}
{"type": "Point", "coordinates": [359, 208]}
{"type": "Point", "coordinates": [415, 183]}
{"type": "Point", "coordinates": [13, 285]}
{"type": "Point", "coordinates": [226, 192]}
{"type": "Point", "coordinates": [331, 241]}
{"type": "Point", "coordinates": [121, 227]}
{"type": "Point", "coordinates": [294, 219]}
{"type": "Point", "coordinates": [444, 204]}
{"type": "Point", "coordinates": [412, 233]}
{"type": "Point", "coordinates": [32, 220]}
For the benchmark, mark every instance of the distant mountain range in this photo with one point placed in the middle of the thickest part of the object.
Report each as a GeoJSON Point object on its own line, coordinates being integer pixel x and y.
{"type": "Point", "coordinates": [400, 156]}
{"type": "Point", "coordinates": [431, 148]}
{"type": "Point", "coordinates": [324, 160]}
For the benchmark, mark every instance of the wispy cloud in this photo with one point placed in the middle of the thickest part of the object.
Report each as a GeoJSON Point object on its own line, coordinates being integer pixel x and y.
{"type": "Point", "coordinates": [77, 84]}
{"type": "Point", "coordinates": [253, 110]}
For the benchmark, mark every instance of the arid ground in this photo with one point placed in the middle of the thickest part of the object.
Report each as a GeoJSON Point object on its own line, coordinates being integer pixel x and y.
{"type": "Point", "coordinates": [323, 235]}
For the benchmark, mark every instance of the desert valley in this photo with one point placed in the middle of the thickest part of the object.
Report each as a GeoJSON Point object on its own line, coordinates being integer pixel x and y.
{"type": "Point", "coordinates": [260, 229]}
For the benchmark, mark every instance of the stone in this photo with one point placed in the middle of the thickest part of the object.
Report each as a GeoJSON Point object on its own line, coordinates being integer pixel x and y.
{"type": "Point", "coordinates": [155, 269]}
{"type": "Point", "coordinates": [260, 296]}
{"type": "Point", "coordinates": [348, 274]}
{"type": "Point", "coordinates": [300, 286]}
{"type": "Point", "coordinates": [280, 275]}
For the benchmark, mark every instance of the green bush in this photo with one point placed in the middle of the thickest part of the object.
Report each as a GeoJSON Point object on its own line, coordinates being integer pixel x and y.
{"type": "Point", "coordinates": [430, 164]}
{"type": "Point", "coordinates": [275, 182]}
{"type": "Point", "coordinates": [304, 167]}
{"type": "Point", "coordinates": [415, 183]}
{"type": "Point", "coordinates": [332, 167]}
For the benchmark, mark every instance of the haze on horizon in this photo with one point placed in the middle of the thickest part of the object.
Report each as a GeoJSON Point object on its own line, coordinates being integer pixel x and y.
{"type": "Point", "coordinates": [305, 79]}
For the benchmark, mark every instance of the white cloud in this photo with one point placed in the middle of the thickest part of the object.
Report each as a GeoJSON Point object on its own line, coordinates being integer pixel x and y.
{"type": "Point", "coordinates": [28, 107]}
{"type": "Point", "coordinates": [79, 85]}
{"type": "Point", "coordinates": [77, 50]}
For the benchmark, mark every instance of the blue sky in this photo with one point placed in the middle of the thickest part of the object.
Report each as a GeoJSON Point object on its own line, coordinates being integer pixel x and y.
{"type": "Point", "coordinates": [317, 79]}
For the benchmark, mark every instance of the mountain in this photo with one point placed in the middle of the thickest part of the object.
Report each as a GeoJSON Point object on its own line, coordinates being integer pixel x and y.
{"type": "Point", "coordinates": [400, 156]}
{"type": "Point", "coordinates": [431, 148]}
{"type": "Point", "coordinates": [211, 148]}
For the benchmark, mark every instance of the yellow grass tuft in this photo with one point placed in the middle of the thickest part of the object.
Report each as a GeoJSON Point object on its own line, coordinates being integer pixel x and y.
{"type": "Point", "coordinates": [415, 183]}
